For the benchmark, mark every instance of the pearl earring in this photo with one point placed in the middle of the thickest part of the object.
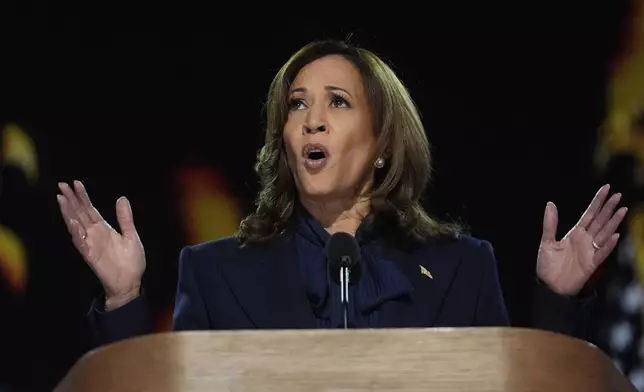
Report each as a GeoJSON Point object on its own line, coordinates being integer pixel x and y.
{"type": "Point", "coordinates": [380, 162]}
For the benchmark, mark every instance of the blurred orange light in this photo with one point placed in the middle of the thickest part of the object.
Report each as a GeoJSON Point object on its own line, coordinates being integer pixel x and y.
{"type": "Point", "coordinates": [207, 208]}
{"type": "Point", "coordinates": [13, 260]}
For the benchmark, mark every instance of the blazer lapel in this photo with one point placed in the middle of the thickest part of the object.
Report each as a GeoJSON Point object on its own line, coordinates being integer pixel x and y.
{"type": "Point", "coordinates": [431, 284]}
{"type": "Point", "coordinates": [266, 281]}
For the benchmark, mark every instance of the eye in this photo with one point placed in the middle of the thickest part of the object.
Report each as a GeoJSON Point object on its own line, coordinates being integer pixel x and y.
{"type": "Point", "coordinates": [296, 104]}
{"type": "Point", "coordinates": [338, 101]}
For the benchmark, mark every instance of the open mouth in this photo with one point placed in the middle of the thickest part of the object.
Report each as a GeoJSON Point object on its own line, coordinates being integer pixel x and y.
{"type": "Point", "coordinates": [315, 156]}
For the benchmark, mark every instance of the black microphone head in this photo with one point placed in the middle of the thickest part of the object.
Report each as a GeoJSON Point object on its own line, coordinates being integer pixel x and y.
{"type": "Point", "coordinates": [342, 250]}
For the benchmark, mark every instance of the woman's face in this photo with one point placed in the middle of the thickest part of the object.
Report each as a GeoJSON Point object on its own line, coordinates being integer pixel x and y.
{"type": "Point", "coordinates": [328, 136]}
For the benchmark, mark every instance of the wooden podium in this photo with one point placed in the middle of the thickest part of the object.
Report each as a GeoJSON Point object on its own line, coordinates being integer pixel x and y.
{"type": "Point", "coordinates": [469, 359]}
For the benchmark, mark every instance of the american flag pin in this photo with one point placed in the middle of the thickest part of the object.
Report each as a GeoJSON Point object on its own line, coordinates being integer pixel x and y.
{"type": "Point", "coordinates": [424, 271]}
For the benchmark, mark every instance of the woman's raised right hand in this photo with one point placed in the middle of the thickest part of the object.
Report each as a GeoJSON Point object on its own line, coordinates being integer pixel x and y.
{"type": "Point", "coordinates": [117, 259]}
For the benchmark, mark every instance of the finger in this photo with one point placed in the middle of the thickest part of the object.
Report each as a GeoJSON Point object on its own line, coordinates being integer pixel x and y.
{"type": "Point", "coordinates": [125, 217]}
{"type": "Point", "coordinates": [611, 226]}
{"type": "Point", "coordinates": [550, 220]}
{"type": "Point", "coordinates": [605, 250]}
{"type": "Point", "coordinates": [74, 203]}
{"type": "Point", "coordinates": [66, 212]}
{"type": "Point", "coordinates": [593, 207]}
{"type": "Point", "coordinates": [604, 215]}
{"type": "Point", "coordinates": [62, 205]}
{"type": "Point", "coordinates": [78, 236]}
{"type": "Point", "coordinates": [92, 212]}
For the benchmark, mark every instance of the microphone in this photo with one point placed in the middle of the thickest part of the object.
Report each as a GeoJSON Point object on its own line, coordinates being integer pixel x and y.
{"type": "Point", "coordinates": [344, 265]}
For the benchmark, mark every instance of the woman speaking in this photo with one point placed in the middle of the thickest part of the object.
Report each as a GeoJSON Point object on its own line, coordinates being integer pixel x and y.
{"type": "Point", "coordinates": [345, 152]}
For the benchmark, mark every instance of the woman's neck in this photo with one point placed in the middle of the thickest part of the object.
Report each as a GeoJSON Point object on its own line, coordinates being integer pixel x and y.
{"type": "Point", "coordinates": [338, 216]}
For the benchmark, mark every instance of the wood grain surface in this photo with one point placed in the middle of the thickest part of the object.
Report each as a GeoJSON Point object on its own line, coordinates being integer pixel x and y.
{"type": "Point", "coordinates": [462, 359]}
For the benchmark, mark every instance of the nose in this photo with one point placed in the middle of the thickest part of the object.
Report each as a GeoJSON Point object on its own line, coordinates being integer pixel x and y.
{"type": "Point", "coordinates": [314, 129]}
{"type": "Point", "coordinates": [315, 122]}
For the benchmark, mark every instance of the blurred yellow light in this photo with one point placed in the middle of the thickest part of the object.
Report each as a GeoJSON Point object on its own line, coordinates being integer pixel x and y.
{"type": "Point", "coordinates": [19, 150]}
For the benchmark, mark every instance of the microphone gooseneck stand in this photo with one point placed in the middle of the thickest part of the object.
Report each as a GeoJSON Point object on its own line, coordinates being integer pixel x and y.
{"type": "Point", "coordinates": [343, 255]}
{"type": "Point", "coordinates": [344, 286]}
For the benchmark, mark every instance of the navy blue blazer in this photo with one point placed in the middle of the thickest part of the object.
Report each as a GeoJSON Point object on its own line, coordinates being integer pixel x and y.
{"type": "Point", "coordinates": [223, 286]}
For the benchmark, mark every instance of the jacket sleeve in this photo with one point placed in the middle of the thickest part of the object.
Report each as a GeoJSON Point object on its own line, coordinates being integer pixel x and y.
{"type": "Point", "coordinates": [490, 308]}
{"type": "Point", "coordinates": [561, 314]}
{"type": "Point", "coordinates": [129, 320]}
{"type": "Point", "coordinates": [135, 319]}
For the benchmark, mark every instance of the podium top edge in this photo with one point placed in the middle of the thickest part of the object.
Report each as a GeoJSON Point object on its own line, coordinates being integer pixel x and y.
{"type": "Point", "coordinates": [447, 332]}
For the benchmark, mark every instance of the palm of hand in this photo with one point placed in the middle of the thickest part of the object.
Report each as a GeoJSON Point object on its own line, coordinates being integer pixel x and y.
{"type": "Point", "coordinates": [113, 257]}
{"type": "Point", "coordinates": [566, 265]}
{"type": "Point", "coordinates": [118, 260]}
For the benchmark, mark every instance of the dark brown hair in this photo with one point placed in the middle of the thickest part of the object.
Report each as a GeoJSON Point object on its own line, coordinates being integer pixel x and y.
{"type": "Point", "coordinates": [398, 187]}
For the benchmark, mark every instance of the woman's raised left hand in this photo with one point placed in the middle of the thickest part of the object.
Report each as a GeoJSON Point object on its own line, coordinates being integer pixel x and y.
{"type": "Point", "coordinates": [566, 265]}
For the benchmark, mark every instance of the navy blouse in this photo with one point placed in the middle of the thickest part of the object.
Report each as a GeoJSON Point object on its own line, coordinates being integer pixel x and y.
{"type": "Point", "coordinates": [380, 281]}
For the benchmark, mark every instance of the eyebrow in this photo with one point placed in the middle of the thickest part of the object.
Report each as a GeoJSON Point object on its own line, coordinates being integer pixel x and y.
{"type": "Point", "coordinates": [327, 88]}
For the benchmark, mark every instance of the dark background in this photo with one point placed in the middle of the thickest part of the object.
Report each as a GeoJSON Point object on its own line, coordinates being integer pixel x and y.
{"type": "Point", "coordinates": [512, 105]}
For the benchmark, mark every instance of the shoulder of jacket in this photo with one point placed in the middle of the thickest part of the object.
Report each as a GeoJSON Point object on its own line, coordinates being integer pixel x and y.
{"type": "Point", "coordinates": [466, 248]}
{"type": "Point", "coordinates": [224, 249]}
{"type": "Point", "coordinates": [224, 244]}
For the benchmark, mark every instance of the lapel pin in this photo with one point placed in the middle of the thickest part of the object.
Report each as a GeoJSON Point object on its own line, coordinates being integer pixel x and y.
{"type": "Point", "coordinates": [424, 271]}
